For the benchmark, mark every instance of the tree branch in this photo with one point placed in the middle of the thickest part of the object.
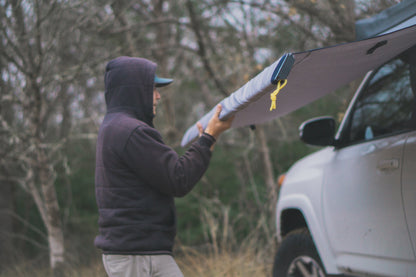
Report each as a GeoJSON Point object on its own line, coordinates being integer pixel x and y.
{"type": "Point", "coordinates": [201, 48]}
{"type": "Point", "coordinates": [25, 238]}
{"type": "Point", "coordinates": [26, 223]}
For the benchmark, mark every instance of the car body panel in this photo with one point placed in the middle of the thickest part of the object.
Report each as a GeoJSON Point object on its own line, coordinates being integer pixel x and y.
{"type": "Point", "coordinates": [362, 200]}
{"type": "Point", "coordinates": [371, 266]}
{"type": "Point", "coordinates": [302, 192]}
{"type": "Point", "coordinates": [385, 246]}
{"type": "Point", "coordinates": [409, 186]}
{"type": "Point", "coordinates": [363, 208]}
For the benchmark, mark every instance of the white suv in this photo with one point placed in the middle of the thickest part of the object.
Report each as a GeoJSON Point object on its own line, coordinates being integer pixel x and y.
{"type": "Point", "coordinates": [350, 208]}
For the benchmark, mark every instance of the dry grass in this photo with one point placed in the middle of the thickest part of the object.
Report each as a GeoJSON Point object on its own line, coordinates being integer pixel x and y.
{"type": "Point", "coordinates": [225, 257]}
{"type": "Point", "coordinates": [245, 262]}
{"type": "Point", "coordinates": [94, 270]}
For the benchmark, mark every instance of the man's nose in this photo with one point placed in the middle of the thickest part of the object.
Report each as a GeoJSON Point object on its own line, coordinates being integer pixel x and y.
{"type": "Point", "coordinates": [156, 94]}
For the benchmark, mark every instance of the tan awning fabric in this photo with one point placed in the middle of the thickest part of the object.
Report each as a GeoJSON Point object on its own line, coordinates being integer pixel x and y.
{"type": "Point", "coordinates": [314, 74]}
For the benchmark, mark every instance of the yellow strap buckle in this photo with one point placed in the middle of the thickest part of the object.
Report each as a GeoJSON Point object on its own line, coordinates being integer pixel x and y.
{"type": "Point", "coordinates": [280, 85]}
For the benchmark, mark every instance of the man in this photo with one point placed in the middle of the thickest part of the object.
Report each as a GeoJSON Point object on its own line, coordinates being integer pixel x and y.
{"type": "Point", "coordinates": [137, 176]}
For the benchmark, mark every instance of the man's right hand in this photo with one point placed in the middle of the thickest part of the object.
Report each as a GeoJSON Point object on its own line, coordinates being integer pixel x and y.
{"type": "Point", "coordinates": [216, 126]}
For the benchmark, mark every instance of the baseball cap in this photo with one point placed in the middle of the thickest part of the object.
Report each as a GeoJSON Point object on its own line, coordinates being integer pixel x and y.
{"type": "Point", "coordinates": [161, 82]}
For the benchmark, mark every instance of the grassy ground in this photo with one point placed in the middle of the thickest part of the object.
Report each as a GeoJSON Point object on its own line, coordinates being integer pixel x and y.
{"type": "Point", "coordinates": [247, 261]}
{"type": "Point", "coordinates": [225, 264]}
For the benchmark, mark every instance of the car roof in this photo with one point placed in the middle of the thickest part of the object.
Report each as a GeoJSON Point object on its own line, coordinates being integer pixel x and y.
{"type": "Point", "coordinates": [386, 20]}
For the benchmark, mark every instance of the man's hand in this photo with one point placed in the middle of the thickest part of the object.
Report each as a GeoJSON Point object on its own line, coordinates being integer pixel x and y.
{"type": "Point", "coordinates": [200, 128]}
{"type": "Point", "coordinates": [215, 125]}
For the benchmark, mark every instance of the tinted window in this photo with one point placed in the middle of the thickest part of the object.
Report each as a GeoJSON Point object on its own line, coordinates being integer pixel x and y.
{"type": "Point", "coordinates": [387, 105]}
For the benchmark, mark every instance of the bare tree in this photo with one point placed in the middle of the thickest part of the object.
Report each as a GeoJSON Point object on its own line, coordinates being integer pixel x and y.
{"type": "Point", "coordinates": [24, 55]}
{"type": "Point", "coordinates": [41, 60]}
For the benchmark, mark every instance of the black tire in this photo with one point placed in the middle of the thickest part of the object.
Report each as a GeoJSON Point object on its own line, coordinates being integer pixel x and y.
{"type": "Point", "coordinates": [297, 253]}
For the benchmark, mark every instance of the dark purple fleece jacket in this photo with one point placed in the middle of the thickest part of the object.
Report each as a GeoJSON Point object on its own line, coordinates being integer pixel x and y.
{"type": "Point", "coordinates": [137, 176]}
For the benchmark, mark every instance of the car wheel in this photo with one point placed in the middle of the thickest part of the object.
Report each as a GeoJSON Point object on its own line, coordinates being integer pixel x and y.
{"type": "Point", "coordinates": [297, 257]}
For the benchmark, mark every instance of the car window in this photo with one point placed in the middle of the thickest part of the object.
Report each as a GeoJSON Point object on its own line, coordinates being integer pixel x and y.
{"type": "Point", "coordinates": [387, 104]}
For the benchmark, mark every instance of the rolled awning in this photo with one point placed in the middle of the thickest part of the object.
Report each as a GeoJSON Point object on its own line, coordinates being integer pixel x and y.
{"type": "Point", "coordinates": [314, 74]}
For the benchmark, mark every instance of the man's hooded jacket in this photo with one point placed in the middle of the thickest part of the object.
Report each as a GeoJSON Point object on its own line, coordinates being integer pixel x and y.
{"type": "Point", "coordinates": [137, 176]}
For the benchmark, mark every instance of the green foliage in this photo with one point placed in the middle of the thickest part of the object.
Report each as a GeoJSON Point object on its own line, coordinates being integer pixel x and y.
{"type": "Point", "coordinates": [29, 241]}
{"type": "Point", "coordinates": [288, 153]}
{"type": "Point", "coordinates": [219, 183]}
{"type": "Point", "coordinates": [81, 159]}
{"type": "Point", "coordinates": [82, 215]}
{"type": "Point", "coordinates": [189, 225]}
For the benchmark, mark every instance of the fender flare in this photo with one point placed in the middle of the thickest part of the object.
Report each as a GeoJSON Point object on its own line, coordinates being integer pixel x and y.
{"type": "Point", "coordinates": [315, 225]}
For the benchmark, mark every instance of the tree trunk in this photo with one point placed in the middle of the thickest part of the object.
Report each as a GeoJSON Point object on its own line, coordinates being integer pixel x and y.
{"type": "Point", "coordinates": [268, 169]}
{"type": "Point", "coordinates": [6, 192]}
{"type": "Point", "coordinates": [51, 218]}
{"type": "Point", "coordinates": [45, 176]}
{"type": "Point", "coordinates": [162, 39]}
{"type": "Point", "coordinates": [6, 226]}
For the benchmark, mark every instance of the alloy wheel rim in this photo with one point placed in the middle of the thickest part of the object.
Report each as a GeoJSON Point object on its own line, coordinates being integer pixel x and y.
{"type": "Point", "coordinates": [305, 266]}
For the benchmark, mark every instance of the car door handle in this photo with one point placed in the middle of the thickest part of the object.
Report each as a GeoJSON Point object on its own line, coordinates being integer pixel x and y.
{"type": "Point", "coordinates": [385, 165]}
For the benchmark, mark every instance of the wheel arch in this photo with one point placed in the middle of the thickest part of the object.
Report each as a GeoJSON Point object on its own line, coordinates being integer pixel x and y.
{"type": "Point", "coordinates": [291, 219]}
{"type": "Point", "coordinates": [297, 212]}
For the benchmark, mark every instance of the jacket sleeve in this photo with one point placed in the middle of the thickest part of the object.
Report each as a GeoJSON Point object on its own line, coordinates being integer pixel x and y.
{"type": "Point", "coordinates": [159, 166]}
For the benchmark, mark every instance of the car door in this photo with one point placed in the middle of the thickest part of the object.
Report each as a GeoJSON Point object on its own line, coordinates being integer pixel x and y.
{"type": "Point", "coordinates": [363, 202]}
{"type": "Point", "coordinates": [409, 185]}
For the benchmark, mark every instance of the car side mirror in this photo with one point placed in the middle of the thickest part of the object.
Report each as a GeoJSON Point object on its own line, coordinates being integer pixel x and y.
{"type": "Point", "coordinates": [318, 131]}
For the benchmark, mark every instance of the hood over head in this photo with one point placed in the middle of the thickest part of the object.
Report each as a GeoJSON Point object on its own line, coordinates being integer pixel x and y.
{"type": "Point", "coordinates": [129, 86]}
